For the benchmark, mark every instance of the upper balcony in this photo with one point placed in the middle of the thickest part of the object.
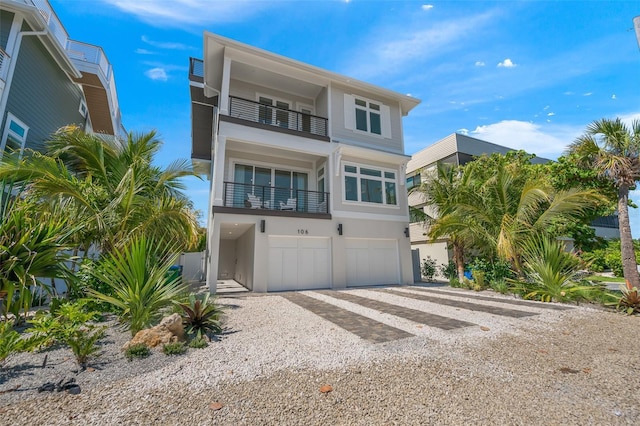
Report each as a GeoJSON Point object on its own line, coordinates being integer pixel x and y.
{"type": "Point", "coordinates": [268, 112]}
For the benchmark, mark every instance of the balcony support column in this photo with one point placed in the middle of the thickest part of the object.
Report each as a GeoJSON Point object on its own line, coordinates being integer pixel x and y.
{"type": "Point", "coordinates": [217, 177]}
{"type": "Point", "coordinates": [224, 89]}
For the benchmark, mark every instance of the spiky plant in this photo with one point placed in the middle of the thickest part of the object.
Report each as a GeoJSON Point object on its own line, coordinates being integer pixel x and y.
{"type": "Point", "coordinates": [201, 316]}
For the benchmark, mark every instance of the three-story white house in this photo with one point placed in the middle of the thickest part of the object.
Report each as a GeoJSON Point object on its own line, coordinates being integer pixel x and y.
{"type": "Point", "coordinates": [307, 172]}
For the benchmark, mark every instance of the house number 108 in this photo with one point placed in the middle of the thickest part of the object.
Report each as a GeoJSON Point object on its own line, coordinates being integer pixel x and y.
{"type": "Point", "coordinates": [303, 231]}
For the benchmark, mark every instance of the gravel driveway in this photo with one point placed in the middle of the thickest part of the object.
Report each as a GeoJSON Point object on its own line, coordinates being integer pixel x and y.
{"type": "Point", "coordinates": [533, 365]}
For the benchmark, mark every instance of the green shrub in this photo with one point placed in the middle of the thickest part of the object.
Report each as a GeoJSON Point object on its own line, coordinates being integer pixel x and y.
{"type": "Point", "coordinates": [455, 282]}
{"type": "Point", "coordinates": [198, 343]}
{"type": "Point", "coordinates": [629, 303]}
{"type": "Point", "coordinates": [11, 342]}
{"type": "Point", "coordinates": [177, 348]}
{"type": "Point", "coordinates": [70, 324]}
{"type": "Point", "coordinates": [478, 281]}
{"type": "Point", "coordinates": [493, 269]}
{"type": "Point", "coordinates": [500, 286]}
{"type": "Point", "coordinates": [138, 350]}
{"type": "Point", "coordinates": [138, 276]}
{"type": "Point", "coordinates": [552, 273]}
{"type": "Point", "coordinates": [428, 269]}
{"type": "Point", "coordinates": [201, 316]}
{"type": "Point", "coordinates": [449, 270]}
{"type": "Point", "coordinates": [614, 262]}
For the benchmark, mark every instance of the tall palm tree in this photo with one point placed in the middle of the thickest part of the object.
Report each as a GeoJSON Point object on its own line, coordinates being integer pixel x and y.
{"type": "Point", "coordinates": [613, 149]}
{"type": "Point", "coordinates": [442, 190]}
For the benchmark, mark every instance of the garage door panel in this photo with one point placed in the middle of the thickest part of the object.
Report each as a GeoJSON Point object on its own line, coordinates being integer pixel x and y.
{"type": "Point", "coordinates": [372, 262]}
{"type": "Point", "coordinates": [299, 263]}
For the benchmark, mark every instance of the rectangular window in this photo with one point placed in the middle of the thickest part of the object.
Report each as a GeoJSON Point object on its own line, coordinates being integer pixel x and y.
{"type": "Point", "coordinates": [370, 185]}
{"type": "Point", "coordinates": [15, 135]}
{"type": "Point", "coordinates": [368, 116]}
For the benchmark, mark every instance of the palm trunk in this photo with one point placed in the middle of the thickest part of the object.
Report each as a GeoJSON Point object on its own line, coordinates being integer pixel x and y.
{"type": "Point", "coordinates": [629, 264]}
{"type": "Point", "coordinates": [458, 259]}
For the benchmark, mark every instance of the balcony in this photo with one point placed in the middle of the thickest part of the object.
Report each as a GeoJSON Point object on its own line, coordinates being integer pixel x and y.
{"type": "Point", "coordinates": [277, 118]}
{"type": "Point", "coordinates": [275, 201]}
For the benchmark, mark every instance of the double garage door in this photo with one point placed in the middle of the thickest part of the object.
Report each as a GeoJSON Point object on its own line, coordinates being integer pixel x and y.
{"type": "Point", "coordinates": [299, 263]}
{"type": "Point", "coordinates": [372, 262]}
{"type": "Point", "coordinates": [303, 263]}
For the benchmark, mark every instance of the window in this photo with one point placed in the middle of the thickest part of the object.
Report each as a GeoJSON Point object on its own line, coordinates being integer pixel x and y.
{"type": "Point", "coordinates": [413, 181]}
{"type": "Point", "coordinates": [368, 116]}
{"type": "Point", "coordinates": [370, 185]}
{"type": "Point", "coordinates": [82, 109]}
{"type": "Point", "coordinates": [273, 111]}
{"type": "Point", "coordinates": [15, 135]}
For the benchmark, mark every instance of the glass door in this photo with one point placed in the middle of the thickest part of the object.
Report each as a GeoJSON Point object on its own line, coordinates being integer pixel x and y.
{"type": "Point", "coordinates": [262, 187]}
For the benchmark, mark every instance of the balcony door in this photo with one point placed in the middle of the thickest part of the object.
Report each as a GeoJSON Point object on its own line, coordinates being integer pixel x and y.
{"type": "Point", "coordinates": [274, 111]}
{"type": "Point", "coordinates": [272, 185]}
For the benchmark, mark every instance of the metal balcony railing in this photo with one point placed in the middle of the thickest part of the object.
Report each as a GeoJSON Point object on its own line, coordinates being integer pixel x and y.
{"type": "Point", "coordinates": [278, 117]}
{"type": "Point", "coordinates": [258, 197]}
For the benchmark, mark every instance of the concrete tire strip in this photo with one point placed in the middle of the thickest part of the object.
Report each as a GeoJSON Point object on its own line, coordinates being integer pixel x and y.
{"type": "Point", "coordinates": [473, 295]}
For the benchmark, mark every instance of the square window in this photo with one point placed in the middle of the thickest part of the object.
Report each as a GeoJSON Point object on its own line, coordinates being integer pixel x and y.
{"type": "Point", "coordinates": [371, 190]}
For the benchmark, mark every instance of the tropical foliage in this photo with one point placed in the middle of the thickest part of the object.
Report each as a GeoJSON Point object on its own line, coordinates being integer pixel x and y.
{"type": "Point", "coordinates": [138, 275]}
{"type": "Point", "coordinates": [553, 274]}
{"type": "Point", "coordinates": [612, 149]}
{"type": "Point", "coordinates": [201, 316]}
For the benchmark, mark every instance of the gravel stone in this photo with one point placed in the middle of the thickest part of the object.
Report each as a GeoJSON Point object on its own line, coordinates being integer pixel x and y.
{"type": "Point", "coordinates": [559, 367]}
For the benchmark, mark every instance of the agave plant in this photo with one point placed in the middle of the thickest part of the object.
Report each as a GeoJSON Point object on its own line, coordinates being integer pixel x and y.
{"type": "Point", "coordinates": [630, 300]}
{"type": "Point", "coordinates": [552, 273]}
{"type": "Point", "coordinates": [201, 316]}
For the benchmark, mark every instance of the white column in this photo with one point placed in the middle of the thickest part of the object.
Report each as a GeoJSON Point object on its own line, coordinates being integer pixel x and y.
{"type": "Point", "coordinates": [224, 89]}
{"type": "Point", "coordinates": [217, 177]}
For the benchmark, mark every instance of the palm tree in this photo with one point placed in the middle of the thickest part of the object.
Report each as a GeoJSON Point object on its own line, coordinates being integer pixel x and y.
{"type": "Point", "coordinates": [111, 187]}
{"type": "Point", "coordinates": [442, 190]}
{"type": "Point", "coordinates": [613, 149]}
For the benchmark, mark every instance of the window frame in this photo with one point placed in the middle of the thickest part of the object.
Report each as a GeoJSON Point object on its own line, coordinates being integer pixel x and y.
{"type": "Point", "coordinates": [383, 112]}
{"type": "Point", "coordinates": [8, 132]}
{"type": "Point", "coordinates": [359, 176]}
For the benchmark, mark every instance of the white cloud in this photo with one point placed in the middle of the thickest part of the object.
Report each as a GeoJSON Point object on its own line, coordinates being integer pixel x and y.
{"type": "Point", "coordinates": [544, 140]}
{"type": "Point", "coordinates": [507, 63]}
{"type": "Point", "coordinates": [186, 13]}
{"type": "Point", "coordinates": [613, 96]}
{"type": "Point", "coordinates": [463, 131]}
{"type": "Point", "coordinates": [587, 94]}
{"type": "Point", "coordinates": [144, 52]}
{"type": "Point", "coordinates": [551, 114]}
{"type": "Point", "coordinates": [427, 6]}
{"type": "Point", "coordinates": [408, 46]}
{"type": "Point", "coordinates": [546, 107]}
{"type": "Point", "coordinates": [568, 93]}
{"type": "Point", "coordinates": [165, 45]}
{"type": "Point", "coordinates": [158, 74]}
{"type": "Point", "coordinates": [480, 64]}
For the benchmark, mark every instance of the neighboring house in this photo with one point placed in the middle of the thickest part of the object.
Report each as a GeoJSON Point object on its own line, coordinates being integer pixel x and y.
{"type": "Point", "coordinates": [458, 150]}
{"type": "Point", "coordinates": [306, 169]}
{"type": "Point", "coordinates": [48, 81]}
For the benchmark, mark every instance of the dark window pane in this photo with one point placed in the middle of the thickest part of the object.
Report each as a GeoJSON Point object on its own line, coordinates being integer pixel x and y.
{"type": "Point", "coordinates": [371, 190]}
{"type": "Point", "coordinates": [374, 106]}
{"type": "Point", "coordinates": [375, 123]}
{"type": "Point", "coordinates": [389, 175]}
{"type": "Point", "coordinates": [390, 189]}
{"type": "Point", "coordinates": [361, 119]}
{"type": "Point", "coordinates": [361, 102]}
{"type": "Point", "coordinates": [350, 169]}
{"type": "Point", "coordinates": [351, 188]}
{"type": "Point", "coordinates": [370, 172]}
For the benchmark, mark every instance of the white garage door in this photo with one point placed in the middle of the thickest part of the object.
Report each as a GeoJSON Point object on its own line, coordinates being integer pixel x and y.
{"type": "Point", "coordinates": [298, 263]}
{"type": "Point", "coordinates": [372, 262]}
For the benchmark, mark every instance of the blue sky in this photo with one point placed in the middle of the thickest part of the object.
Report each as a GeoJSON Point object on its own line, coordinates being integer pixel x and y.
{"type": "Point", "coordinates": [525, 74]}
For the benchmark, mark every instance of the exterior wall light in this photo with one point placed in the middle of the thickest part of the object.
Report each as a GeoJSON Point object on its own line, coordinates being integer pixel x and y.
{"type": "Point", "coordinates": [339, 229]}
{"type": "Point", "coordinates": [406, 232]}
{"type": "Point", "coordinates": [262, 225]}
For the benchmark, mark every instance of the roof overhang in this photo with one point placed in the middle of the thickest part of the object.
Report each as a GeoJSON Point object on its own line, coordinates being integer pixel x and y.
{"type": "Point", "coordinates": [217, 47]}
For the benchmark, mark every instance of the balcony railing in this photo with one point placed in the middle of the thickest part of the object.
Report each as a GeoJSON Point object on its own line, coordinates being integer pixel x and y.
{"type": "Point", "coordinates": [4, 64]}
{"type": "Point", "coordinates": [278, 117]}
{"type": "Point", "coordinates": [258, 197]}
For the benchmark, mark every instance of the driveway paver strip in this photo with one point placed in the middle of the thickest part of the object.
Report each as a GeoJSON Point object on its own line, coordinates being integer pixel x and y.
{"type": "Point", "coordinates": [463, 305]}
{"type": "Point", "coordinates": [363, 327]}
{"type": "Point", "coordinates": [414, 315]}
{"type": "Point", "coordinates": [540, 305]}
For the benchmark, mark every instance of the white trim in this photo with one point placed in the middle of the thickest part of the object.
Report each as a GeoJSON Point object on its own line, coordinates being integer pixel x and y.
{"type": "Point", "coordinates": [350, 121]}
{"type": "Point", "coordinates": [7, 130]}
{"type": "Point", "coordinates": [369, 216]}
{"type": "Point", "coordinates": [359, 176]}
